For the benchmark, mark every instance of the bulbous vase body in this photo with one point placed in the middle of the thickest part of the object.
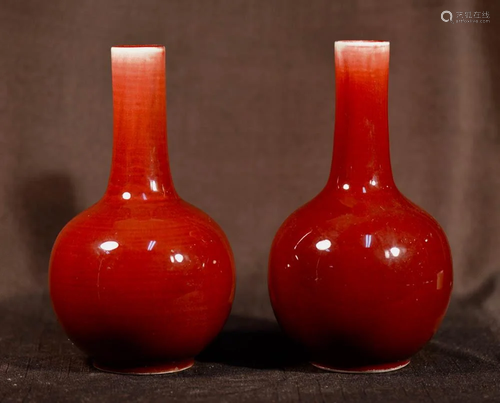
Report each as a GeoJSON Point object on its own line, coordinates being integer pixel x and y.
{"type": "Point", "coordinates": [142, 281]}
{"type": "Point", "coordinates": [360, 276]}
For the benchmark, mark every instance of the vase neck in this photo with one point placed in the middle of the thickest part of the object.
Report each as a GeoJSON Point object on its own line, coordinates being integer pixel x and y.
{"type": "Point", "coordinates": [361, 160]}
{"type": "Point", "coordinates": [140, 167]}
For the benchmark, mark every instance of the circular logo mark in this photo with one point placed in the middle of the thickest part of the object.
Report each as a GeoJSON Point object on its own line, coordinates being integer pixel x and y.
{"type": "Point", "coordinates": [445, 13]}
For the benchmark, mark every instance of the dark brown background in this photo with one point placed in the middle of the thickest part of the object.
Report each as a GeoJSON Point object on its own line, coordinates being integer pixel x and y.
{"type": "Point", "coordinates": [250, 121]}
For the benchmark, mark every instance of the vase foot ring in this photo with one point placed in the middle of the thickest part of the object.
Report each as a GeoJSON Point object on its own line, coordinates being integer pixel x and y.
{"type": "Point", "coordinates": [368, 369]}
{"type": "Point", "coordinates": [155, 369]}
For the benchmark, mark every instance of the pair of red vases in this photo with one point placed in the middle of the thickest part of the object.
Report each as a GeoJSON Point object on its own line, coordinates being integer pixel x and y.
{"type": "Point", "coordinates": [142, 281]}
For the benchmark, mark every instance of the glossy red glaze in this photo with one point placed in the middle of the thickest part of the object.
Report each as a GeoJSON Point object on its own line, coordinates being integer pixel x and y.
{"type": "Point", "coordinates": [142, 281]}
{"type": "Point", "coordinates": [360, 275]}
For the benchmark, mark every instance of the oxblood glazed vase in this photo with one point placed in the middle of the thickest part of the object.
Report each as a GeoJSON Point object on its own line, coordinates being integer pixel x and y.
{"type": "Point", "coordinates": [360, 276]}
{"type": "Point", "coordinates": [141, 281]}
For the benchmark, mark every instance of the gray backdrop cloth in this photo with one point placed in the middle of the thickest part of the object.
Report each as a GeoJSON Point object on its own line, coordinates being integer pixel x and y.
{"type": "Point", "coordinates": [250, 88]}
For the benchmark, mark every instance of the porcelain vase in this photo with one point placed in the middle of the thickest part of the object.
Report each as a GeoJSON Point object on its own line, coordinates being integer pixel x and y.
{"type": "Point", "coordinates": [360, 276]}
{"type": "Point", "coordinates": [141, 281]}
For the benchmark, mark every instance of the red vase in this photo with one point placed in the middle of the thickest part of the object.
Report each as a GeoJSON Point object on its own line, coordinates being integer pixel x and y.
{"type": "Point", "coordinates": [360, 276]}
{"type": "Point", "coordinates": [141, 281]}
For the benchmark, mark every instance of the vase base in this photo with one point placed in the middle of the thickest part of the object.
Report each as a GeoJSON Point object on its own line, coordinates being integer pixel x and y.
{"type": "Point", "coordinates": [367, 369]}
{"type": "Point", "coordinates": [154, 369]}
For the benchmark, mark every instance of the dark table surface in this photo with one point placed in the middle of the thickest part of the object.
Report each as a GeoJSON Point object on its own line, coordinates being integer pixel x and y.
{"type": "Point", "coordinates": [251, 361]}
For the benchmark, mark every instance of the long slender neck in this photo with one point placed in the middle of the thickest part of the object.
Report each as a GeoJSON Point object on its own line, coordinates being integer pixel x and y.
{"type": "Point", "coordinates": [361, 160]}
{"type": "Point", "coordinates": [140, 167]}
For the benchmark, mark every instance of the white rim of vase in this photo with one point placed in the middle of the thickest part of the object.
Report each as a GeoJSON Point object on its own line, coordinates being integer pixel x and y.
{"type": "Point", "coordinates": [361, 44]}
{"type": "Point", "coordinates": [136, 50]}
